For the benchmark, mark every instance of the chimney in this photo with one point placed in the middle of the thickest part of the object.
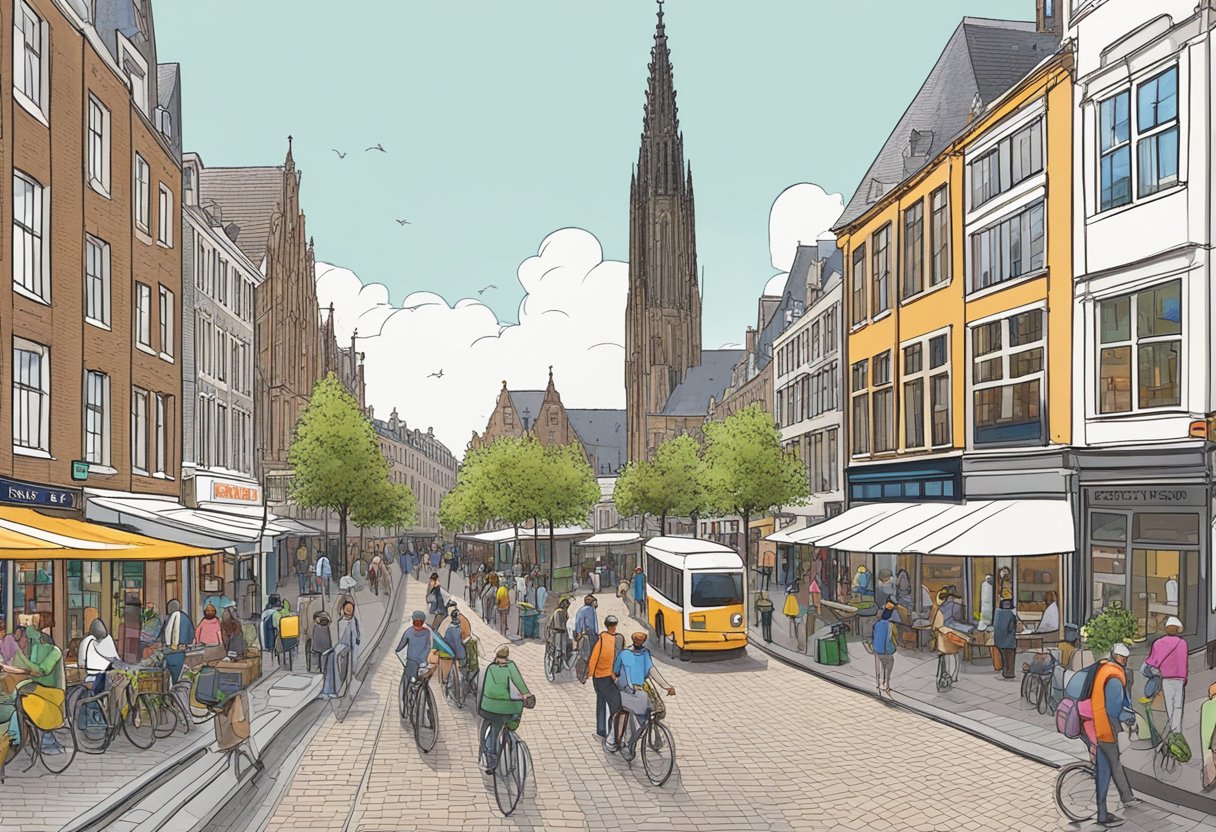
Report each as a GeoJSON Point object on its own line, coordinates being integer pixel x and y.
{"type": "Point", "coordinates": [1048, 20]}
{"type": "Point", "coordinates": [232, 230]}
{"type": "Point", "coordinates": [749, 341]}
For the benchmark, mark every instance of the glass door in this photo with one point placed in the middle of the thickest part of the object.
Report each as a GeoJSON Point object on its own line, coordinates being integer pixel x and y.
{"type": "Point", "coordinates": [127, 583]}
{"type": "Point", "coordinates": [84, 599]}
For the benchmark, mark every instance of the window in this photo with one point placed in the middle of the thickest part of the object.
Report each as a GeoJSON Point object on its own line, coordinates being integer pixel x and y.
{"type": "Point", "coordinates": [1007, 379]}
{"type": "Point", "coordinates": [1140, 348]}
{"type": "Point", "coordinates": [859, 286]}
{"type": "Point", "coordinates": [717, 589]}
{"type": "Point", "coordinates": [200, 267]}
{"type": "Point", "coordinates": [1157, 128]}
{"type": "Point", "coordinates": [221, 281]}
{"type": "Point", "coordinates": [884, 404]}
{"type": "Point", "coordinates": [96, 417]}
{"type": "Point", "coordinates": [28, 265]}
{"type": "Point", "coordinates": [882, 269]}
{"type": "Point", "coordinates": [914, 396]}
{"type": "Point", "coordinates": [99, 145]}
{"type": "Point", "coordinates": [143, 193]}
{"type": "Point", "coordinates": [666, 579]}
{"type": "Point", "coordinates": [823, 465]}
{"type": "Point", "coordinates": [939, 235]}
{"type": "Point", "coordinates": [28, 51]}
{"type": "Point", "coordinates": [221, 355]}
{"type": "Point", "coordinates": [31, 396]}
{"type": "Point", "coordinates": [161, 445]}
{"type": "Point", "coordinates": [238, 294]}
{"type": "Point", "coordinates": [166, 322]}
{"type": "Point", "coordinates": [97, 281]}
{"type": "Point", "coordinates": [221, 435]}
{"type": "Point", "coordinates": [164, 221]}
{"type": "Point", "coordinates": [1012, 161]}
{"type": "Point", "coordinates": [914, 250]}
{"type": "Point", "coordinates": [139, 430]}
{"type": "Point", "coordinates": [143, 314]}
{"type": "Point", "coordinates": [861, 410]}
{"type": "Point", "coordinates": [205, 435]}
{"type": "Point", "coordinates": [939, 390]}
{"type": "Point", "coordinates": [1114, 139]}
{"type": "Point", "coordinates": [1008, 249]}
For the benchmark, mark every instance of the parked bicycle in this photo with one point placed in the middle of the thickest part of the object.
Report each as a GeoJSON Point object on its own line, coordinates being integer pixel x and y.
{"type": "Point", "coordinates": [514, 764]}
{"type": "Point", "coordinates": [558, 658]}
{"type": "Point", "coordinates": [98, 717]}
{"type": "Point", "coordinates": [45, 736]}
{"type": "Point", "coordinates": [418, 706]}
{"type": "Point", "coordinates": [1076, 796]}
{"type": "Point", "coordinates": [1036, 690]}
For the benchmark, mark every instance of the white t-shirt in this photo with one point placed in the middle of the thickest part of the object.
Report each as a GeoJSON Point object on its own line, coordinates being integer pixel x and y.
{"type": "Point", "coordinates": [97, 656]}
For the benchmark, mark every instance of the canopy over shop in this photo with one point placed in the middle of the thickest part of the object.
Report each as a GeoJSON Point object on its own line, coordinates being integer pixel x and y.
{"type": "Point", "coordinates": [69, 572]}
{"type": "Point", "coordinates": [911, 551]}
{"type": "Point", "coordinates": [502, 548]}
{"type": "Point", "coordinates": [614, 554]}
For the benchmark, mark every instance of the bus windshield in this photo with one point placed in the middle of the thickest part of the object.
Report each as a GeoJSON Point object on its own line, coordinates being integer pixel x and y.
{"type": "Point", "coordinates": [716, 589]}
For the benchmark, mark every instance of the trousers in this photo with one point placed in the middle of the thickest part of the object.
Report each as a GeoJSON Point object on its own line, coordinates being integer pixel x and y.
{"type": "Point", "coordinates": [1172, 690]}
{"type": "Point", "coordinates": [1110, 766]}
{"type": "Point", "coordinates": [607, 702]}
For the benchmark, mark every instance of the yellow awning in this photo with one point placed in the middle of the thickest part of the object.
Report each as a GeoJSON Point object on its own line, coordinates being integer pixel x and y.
{"type": "Point", "coordinates": [26, 534]}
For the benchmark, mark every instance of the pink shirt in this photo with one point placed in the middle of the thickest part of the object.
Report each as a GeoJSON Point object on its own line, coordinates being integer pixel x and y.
{"type": "Point", "coordinates": [1169, 655]}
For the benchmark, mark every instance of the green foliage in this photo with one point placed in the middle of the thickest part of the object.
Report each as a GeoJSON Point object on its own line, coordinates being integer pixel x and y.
{"type": "Point", "coordinates": [745, 470]}
{"type": "Point", "coordinates": [514, 468]}
{"type": "Point", "coordinates": [388, 506]}
{"type": "Point", "coordinates": [465, 507]}
{"type": "Point", "coordinates": [567, 487]}
{"type": "Point", "coordinates": [630, 494]}
{"type": "Point", "coordinates": [672, 485]}
{"type": "Point", "coordinates": [1116, 623]}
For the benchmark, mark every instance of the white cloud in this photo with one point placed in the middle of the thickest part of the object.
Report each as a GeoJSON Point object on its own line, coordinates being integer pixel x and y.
{"type": "Point", "coordinates": [802, 212]}
{"type": "Point", "coordinates": [572, 316]}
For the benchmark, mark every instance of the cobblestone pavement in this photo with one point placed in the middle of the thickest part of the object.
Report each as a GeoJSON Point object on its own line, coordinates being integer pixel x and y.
{"type": "Point", "coordinates": [761, 746]}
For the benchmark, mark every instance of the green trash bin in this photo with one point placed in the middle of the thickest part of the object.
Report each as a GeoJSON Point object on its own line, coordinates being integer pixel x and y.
{"type": "Point", "coordinates": [833, 648]}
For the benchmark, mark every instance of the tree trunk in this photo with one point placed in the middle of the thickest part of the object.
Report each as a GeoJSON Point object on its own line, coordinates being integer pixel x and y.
{"type": "Point", "coordinates": [552, 554]}
{"type": "Point", "coordinates": [746, 564]}
{"type": "Point", "coordinates": [663, 524]}
{"type": "Point", "coordinates": [342, 512]}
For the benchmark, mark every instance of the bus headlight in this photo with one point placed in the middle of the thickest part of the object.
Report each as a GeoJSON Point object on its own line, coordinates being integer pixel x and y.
{"type": "Point", "coordinates": [736, 620]}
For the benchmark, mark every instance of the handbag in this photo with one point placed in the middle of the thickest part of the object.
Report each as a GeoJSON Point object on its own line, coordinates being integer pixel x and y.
{"type": "Point", "coordinates": [635, 701]}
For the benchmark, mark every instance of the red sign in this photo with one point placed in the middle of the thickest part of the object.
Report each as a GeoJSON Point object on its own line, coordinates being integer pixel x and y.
{"type": "Point", "coordinates": [232, 492]}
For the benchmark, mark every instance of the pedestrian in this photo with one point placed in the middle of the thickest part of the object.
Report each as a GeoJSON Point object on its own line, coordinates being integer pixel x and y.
{"type": "Point", "coordinates": [768, 561]}
{"type": "Point", "coordinates": [1110, 708]}
{"type": "Point", "coordinates": [595, 578]}
{"type": "Point", "coordinates": [542, 596]}
{"type": "Point", "coordinates": [208, 630]}
{"type": "Point", "coordinates": [884, 648]}
{"type": "Point", "coordinates": [348, 632]}
{"type": "Point", "coordinates": [1168, 657]}
{"type": "Point", "coordinates": [502, 601]}
{"type": "Point", "coordinates": [404, 554]}
{"type": "Point", "coordinates": [434, 600]}
{"type": "Point", "coordinates": [453, 562]}
{"type": "Point", "coordinates": [607, 694]}
{"type": "Point", "coordinates": [764, 608]}
{"type": "Point", "coordinates": [791, 610]}
{"type": "Point", "coordinates": [435, 557]}
{"type": "Point", "coordinates": [303, 571]}
{"type": "Point", "coordinates": [373, 575]}
{"type": "Point", "coordinates": [986, 612]}
{"type": "Point", "coordinates": [639, 590]}
{"type": "Point", "coordinates": [1004, 635]}
{"type": "Point", "coordinates": [176, 635]}
{"type": "Point", "coordinates": [231, 636]}
{"type": "Point", "coordinates": [324, 572]}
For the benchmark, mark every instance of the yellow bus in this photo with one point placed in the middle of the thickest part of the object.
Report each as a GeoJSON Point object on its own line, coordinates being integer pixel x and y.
{"type": "Point", "coordinates": [694, 595]}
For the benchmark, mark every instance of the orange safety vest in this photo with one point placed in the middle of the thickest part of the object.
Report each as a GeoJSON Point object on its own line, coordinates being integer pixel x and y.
{"type": "Point", "coordinates": [1097, 701]}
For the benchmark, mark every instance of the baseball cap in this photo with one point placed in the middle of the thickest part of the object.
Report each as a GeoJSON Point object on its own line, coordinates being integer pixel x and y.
{"type": "Point", "coordinates": [1173, 621]}
{"type": "Point", "coordinates": [610, 620]}
{"type": "Point", "coordinates": [1120, 649]}
{"type": "Point", "coordinates": [418, 615]}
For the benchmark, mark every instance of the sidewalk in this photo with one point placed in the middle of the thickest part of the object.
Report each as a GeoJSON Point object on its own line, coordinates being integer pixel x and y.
{"type": "Point", "coordinates": [144, 789]}
{"type": "Point", "coordinates": [984, 704]}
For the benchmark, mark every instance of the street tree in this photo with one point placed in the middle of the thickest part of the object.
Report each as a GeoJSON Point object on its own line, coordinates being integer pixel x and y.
{"type": "Point", "coordinates": [746, 471]}
{"type": "Point", "coordinates": [465, 506]}
{"type": "Point", "coordinates": [567, 489]}
{"type": "Point", "coordinates": [335, 456]}
{"type": "Point", "coordinates": [672, 485]}
{"type": "Point", "coordinates": [631, 493]}
{"type": "Point", "coordinates": [389, 505]}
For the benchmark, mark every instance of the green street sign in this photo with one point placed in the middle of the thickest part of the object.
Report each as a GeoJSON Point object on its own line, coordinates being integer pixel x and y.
{"type": "Point", "coordinates": [80, 469]}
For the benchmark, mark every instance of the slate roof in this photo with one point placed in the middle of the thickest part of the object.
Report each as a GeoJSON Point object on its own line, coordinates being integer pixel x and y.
{"type": "Point", "coordinates": [166, 79]}
{"type": "Point", "coordinates": [602, 432]}
{"type": "Point", "coordinates": [529, 400]}
{"type": "Point", "coordinates": [248, 197]}
{"type": "Point", "coordinates": [709, 380]}
{"type": "Point", "coordinates": [983, 58]}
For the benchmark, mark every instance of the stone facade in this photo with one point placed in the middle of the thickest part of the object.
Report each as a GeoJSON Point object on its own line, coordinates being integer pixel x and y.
{"type": "Point", "coordinates": [419, 460]}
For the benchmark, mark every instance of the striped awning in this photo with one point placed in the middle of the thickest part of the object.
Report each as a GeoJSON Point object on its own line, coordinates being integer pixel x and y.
{"type": "Point", "coordinates": [26, 534]}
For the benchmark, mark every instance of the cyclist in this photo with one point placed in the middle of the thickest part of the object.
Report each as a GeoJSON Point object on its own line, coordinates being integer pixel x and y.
{"type": "Point", "coordinates": [454, 636]}
{"type": "Point", "coordinates": [97, 654]}
{"type": "Point", "coordinates": [557, 627]}
{"type": "Point", "coordinates": [466, 629]}
{"type": "Point", "coordinates": [586, 626]}
{"type": "Point", "coordinates": [634, 668]}
{"type": "Point", "coordinates": [503, 691]}
{"type": "Point", "coordinates": [415, 645]}
{"type": "Point", "coordinates": [1103, 712]}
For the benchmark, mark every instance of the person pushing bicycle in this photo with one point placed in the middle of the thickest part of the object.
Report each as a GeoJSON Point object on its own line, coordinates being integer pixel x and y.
{"type": "Point", "coordinates": [634, 669]}
{"type": "Point", "coordinates": [503, 697]}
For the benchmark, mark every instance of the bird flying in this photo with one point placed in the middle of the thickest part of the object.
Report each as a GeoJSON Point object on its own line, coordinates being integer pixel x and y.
{"type": "Point", "coordinates": [403, 222]}
{"type": "Point", "coordinates": [482, 290]}
{"type": "Point", "coordinates": [377, 146]}
{"type": "Point", "coordinates": [436, 375]}
{"type": "Point", "coordinates": [341, 155]}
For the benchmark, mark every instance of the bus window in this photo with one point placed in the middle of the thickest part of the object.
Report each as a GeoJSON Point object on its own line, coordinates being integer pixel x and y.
{"type": "Point", "coordinates": [717, 589]}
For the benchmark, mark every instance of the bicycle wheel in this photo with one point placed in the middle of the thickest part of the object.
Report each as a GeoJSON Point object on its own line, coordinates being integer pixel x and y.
{"type": "Point", "coordinates": [628, 749]}
{"type": "Point", "coordinates": [57, 748]}
{"type": "Point", "coordinates": [658, 752]}
{"type": "Point", "coordinates": [139, 722]}
{"type": "Point", "coordinates": [90, 718]}
{"type": "Point", "coordinates": [1044, 692]}
{"type": "Point", "coordinates": [1026, 692]}
{"type": "Point", "coordinates": [549, 674]}
{"type": "Point", "coordinates": [166, 716]}
{"type": "Point", "coordinates": [506, 775]}
{"type": "Point", "coordinates": [426, 720]}
{"type": "Point", "coordinates": [403, 697]}
{"type": "Point", "coordinates": [1075, 795]}
{"type": "Point", "coordinates": [452, 687]}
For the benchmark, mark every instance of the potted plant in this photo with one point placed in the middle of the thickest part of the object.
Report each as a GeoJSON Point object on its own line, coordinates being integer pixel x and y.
{"type": "Point", "coordinates": [1116, 623]}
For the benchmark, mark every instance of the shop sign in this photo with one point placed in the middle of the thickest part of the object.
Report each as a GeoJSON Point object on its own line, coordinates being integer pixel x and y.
{"type": "Point", "coordinates": [1149, 496]}
{"type": "Point", "coordinates": [24, 493]}
{"type": "Point", "coordinates": [235, 492]}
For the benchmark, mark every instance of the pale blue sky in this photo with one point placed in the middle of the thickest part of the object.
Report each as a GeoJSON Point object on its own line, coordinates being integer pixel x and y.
{"type": "Point", "coordinates": [504, 121]}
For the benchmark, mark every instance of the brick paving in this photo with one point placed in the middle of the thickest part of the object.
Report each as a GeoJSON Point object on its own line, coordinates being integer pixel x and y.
{"type": "Point", "coordinates": [761, 746]}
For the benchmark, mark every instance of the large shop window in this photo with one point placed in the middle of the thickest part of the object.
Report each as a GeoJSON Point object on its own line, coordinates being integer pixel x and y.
{"type": "Point", "coordinates": [84, 599]}
{"type": "Point", "coordinates": [1007, 379]}
{"type": "Point", "coordinates": [1154, 570]}
{"type": "Point", "coordinates": [33, 590]}
{"type": "Point", "coordinates": [1140, 337]}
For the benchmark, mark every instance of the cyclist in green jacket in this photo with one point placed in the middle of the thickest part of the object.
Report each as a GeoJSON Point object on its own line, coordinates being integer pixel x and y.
{"type": "Point", "coordinates": [503, 691]}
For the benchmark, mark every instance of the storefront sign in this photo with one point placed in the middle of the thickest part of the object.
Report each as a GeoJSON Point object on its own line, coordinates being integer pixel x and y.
{"type": "Point", "coordinates": [25, 493]}
{"type": "Point", "coordinates": [1149, 496]}
{"type": "Point", "coordinates": [235, 492]}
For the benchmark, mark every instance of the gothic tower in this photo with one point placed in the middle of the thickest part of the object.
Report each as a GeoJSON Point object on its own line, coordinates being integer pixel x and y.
{"type": "Point", "coordinates": [663, 312]}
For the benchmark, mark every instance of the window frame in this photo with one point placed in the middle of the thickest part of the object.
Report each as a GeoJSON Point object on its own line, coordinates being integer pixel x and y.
{"type": "Point", "coordinates": [1004, 353]}
{"type": "Point", "coordinates": [139, 431]}
{"type": "Point", "coordinates": [1133, 343]}
{"type": "Point", "coordinates": [101, 409]}
{"type": "Point", "coordinates": [885, 389]}
{"type": "Point", "coordinates": [36, 248]}
{"type": "Point", "coordinates": [42, 392]}
{"type": "Point", "coordinates": [912, 272]}
{"type": "Point", "coordinates": [859, 288]}
{"type": "Point", "coordinates": [1157, 131]}
{"type": "Point", "coordinates": [880, 283]}
{"type": "Point", "coordinates": [141, 196]}
{"type": "Point", "coordinates": [143, 316]}
{"type": "Point", "coordinates": [102, 280]}
{"type": "Point", "coordinates": [859, 400]}
{"type": "Point", "coordinates": [926, 375]}
{"type": "Point", "coordinates": [98, 177]}
{"type": "Point", "coordinates": [167, 313]}
{"type": "Point", "coordinates": [1135, 137]}
{"type": "Point", "coordinates": [1001, 228]}
{"type": "Point", "coordinates": [942, 248]}
{"type": "Point", "coordinates": [164, 216]}
{"type": "Point", "coordinates": [36, 106]}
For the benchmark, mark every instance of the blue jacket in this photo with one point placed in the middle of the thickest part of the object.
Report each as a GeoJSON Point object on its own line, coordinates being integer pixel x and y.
{"type": "Point", "coordinates": [884, 638]}
{"type": "Point", "coordinates": [634, 665]}
{"type": "Point", "coordinates": [639, 586]}
{"type": "Point", "coordinates": [585, 621]}
{"type": "Point", "coordinates": [417, 644]}
{"type": "Point", "coordinates": [452, 637]}
{"type": "Point", "coordinates": [1004, 629]}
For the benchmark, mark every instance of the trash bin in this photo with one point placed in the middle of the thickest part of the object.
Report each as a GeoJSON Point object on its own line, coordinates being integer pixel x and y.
{"type": "Point", "coordinates": [529, 621]}
{"type": "Point", "coordinates": [831, 647]}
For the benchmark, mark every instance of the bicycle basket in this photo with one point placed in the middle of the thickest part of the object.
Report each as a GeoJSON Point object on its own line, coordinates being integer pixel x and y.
{"type": "Point", "coordinates": [215, 687]}
{"type": "Point", "coordinates": [151, 680]}
{"type": "Point", "coordinates": [658, 708]}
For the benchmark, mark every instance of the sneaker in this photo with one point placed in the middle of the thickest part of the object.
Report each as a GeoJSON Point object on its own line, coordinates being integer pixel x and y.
{"type": "Point", "coordinates": [610, 747]}
{"type": "Point", "coordinates": [1111, 821]}
{"type": "Point", "coordinates": [1132, 803]}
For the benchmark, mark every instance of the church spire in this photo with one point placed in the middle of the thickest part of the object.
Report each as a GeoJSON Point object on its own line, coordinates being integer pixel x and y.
{"type": "Point", "coordinates": [289, 163]}
{"type": "Point", "coordinates": [661, 157]}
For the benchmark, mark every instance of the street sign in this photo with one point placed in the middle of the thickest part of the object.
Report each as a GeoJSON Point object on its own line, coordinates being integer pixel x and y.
{"type": "Point", "coordinates": [80, 470]}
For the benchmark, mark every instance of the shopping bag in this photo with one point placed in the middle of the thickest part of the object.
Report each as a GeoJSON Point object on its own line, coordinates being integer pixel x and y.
{"type": "Point", "coordinates": [44, 706]}
{"type": "Point", "coordinates": [289, 626]}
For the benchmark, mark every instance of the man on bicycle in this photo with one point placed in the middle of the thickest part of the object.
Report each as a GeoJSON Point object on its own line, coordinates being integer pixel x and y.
{"type": "Point", "coordinates": [586, 626]}
{"type": "Point", "coordinates": [503, 691]}
{"type": "Point", "coordinates": [415, 645]}
{"type": "Point", "coordinates": [1105, 710]}
{"type": "Point", "coordinates": [558, 622]}
{"type": "Point", "coordinates": [634, 668]}
{"type": "Point", "coordinates": [454, 635]}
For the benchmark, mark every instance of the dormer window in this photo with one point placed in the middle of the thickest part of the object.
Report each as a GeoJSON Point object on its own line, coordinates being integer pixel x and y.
{"type": "Point", "coordinates": [164, 123]}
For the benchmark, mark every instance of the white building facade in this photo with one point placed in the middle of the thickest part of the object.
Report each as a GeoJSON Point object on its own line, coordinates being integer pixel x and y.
{"type": "Point", "coordinates": [1143, 374]}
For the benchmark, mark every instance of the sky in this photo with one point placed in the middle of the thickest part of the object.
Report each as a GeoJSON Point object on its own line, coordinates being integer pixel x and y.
{"type": "Point", "coordinates": [505, 122]}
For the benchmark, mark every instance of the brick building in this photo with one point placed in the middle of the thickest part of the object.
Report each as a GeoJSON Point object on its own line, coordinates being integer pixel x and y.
{"type": "Point", "coordinates": [419, 460]}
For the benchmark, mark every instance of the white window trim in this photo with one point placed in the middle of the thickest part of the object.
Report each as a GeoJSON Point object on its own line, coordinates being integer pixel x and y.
{"type": "Point", "coordinates": [1023, 202]}
{"type": "Point", "coordinates": [164, 218]}
{"type": "Point", "coordinates": [160, 431]}
{"type": "Point", "coordinates": [1005, 352]}
{"type": "Point", "coordinates": [100, 184]}
{"type": "Point", "coordinates": [45, 381]}
{"type": "Point", "coordinates": [126, 49]}
{"type": "Point", "coordinates": [44, 243]}
{"type": "Point", "coordinates": [139, 318]}
{"type": "Point", "coordinates": [136, 393]}
{"type": "Point", "coordinates": [1093, 412]}
{"type": "Point", "coordinates": [926, 374]}
{"type": "Point", "coordinates": [39, 112]}
{"type": "Point", "coordinates": [165, 322]}
{"type": "Point", "coordinates": [105, 461]}
{"type": "Point", "coordinates": [143, 224]}
{"type": "Point", "coordinates": [105, 283]}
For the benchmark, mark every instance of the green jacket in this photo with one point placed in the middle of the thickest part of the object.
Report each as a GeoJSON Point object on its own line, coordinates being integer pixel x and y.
{"type": "Point", "coordinates": [496, 689]}
{"type": "Point", "coordinates": [45, 662]}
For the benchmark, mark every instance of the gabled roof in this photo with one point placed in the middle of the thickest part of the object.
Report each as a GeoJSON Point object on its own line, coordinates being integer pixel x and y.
{"type": "Point", "coordinates": [248, 197]}
{"type": "Point", "coordinates": [529, 400]}
{"type": "Point", "coordinates": [603, 433]}
{"type": "Point", "coordinates": [166, 80]}
{"type": "Point", "coordinates": [708, 380]}
{"type": "Point", "coordinates": [982, 60]}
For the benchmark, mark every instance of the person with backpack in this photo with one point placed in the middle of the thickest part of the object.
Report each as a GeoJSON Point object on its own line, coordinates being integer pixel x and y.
{"type": "Point", "coordinates": [1168, 659]}
{"type": "Point", "coordinates": [607, 694]}
{"type": "Point", "coordinates": [884, 648]}
{"type": "Point", "coordinates": [1105, 704]}
{"type": "Point", "coordinates": [1004, 635]}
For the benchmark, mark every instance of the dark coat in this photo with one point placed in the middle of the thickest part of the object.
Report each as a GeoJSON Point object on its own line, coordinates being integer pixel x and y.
{"type": "Point", "coordinates": [1004, 629]}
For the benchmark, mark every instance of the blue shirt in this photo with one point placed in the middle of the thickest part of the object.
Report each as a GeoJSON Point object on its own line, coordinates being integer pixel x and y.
{"type": "Point", "coordinates": [634, 665]}
{"type": "Point", "coordinates": [452, 637]}
{"type": "Point", "coordinates": [884, 638]}
{"type": "Point", "coordinates": [416, 643]}
{"type": "Point", "coordinates": [639, 586]}
{"type": "Point", "coordinates": [586, 622]}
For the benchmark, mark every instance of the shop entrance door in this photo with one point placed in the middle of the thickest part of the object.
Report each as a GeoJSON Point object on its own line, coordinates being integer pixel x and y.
{"type": "Point", "coordinates": [128, 595]}
{"type": "Point", "coordinates": [1164, 584]}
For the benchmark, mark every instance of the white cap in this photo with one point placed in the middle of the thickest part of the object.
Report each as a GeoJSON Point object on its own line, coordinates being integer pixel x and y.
{"type": "Point", "coordinates": [1173, 621]}
{"type": "Point", "coordinates": [1120, 649]}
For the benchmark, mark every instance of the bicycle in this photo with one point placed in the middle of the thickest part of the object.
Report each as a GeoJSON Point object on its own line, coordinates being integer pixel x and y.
{"type": "Point", "coordinates": [1166, 764]}
{"type": "Point", "coordinates": [418, 706]}
{"type": "Point", "coordinates": [1076, 796]}
{"type": "Point", "coordinates": [454, 689]}
{"type": "Point", "coordinates": [189, 711]}
{"type": "Point", "coordinates": [945, 676]}
{"type": "Point", "coordinates": [1036, 690]}
{"type": "Point", "coordinates": [98, 717]}
{"type": "Point", "coordinates": [514, 762]}
{"type": "Point", "coordinates": [658, 744]}
{"type": "Point", "coordinates": [557, 659]}
{"type": "Point", "coordinates": [54, 747]}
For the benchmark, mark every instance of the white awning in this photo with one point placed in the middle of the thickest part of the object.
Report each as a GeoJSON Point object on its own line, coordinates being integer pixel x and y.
{"type": "Point", "coordinates": [854, 519]}
{"type": "Point", "coordinates": [783, 536]}
{"type": "Point", "coordinates": [611, 539]}
{"type": "Point", "coordinates": [873, 537]}
{"type": "Point", "coordinates": [169, 520]}
{"type": "Point", "coordinates": [1007, 528]}
{"type": "Point", "coordinates": [497, 536]}
{"type": "Point", "coordinates": [907, 539]}
{"type": "Point", "coordinates": [558, 531]}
